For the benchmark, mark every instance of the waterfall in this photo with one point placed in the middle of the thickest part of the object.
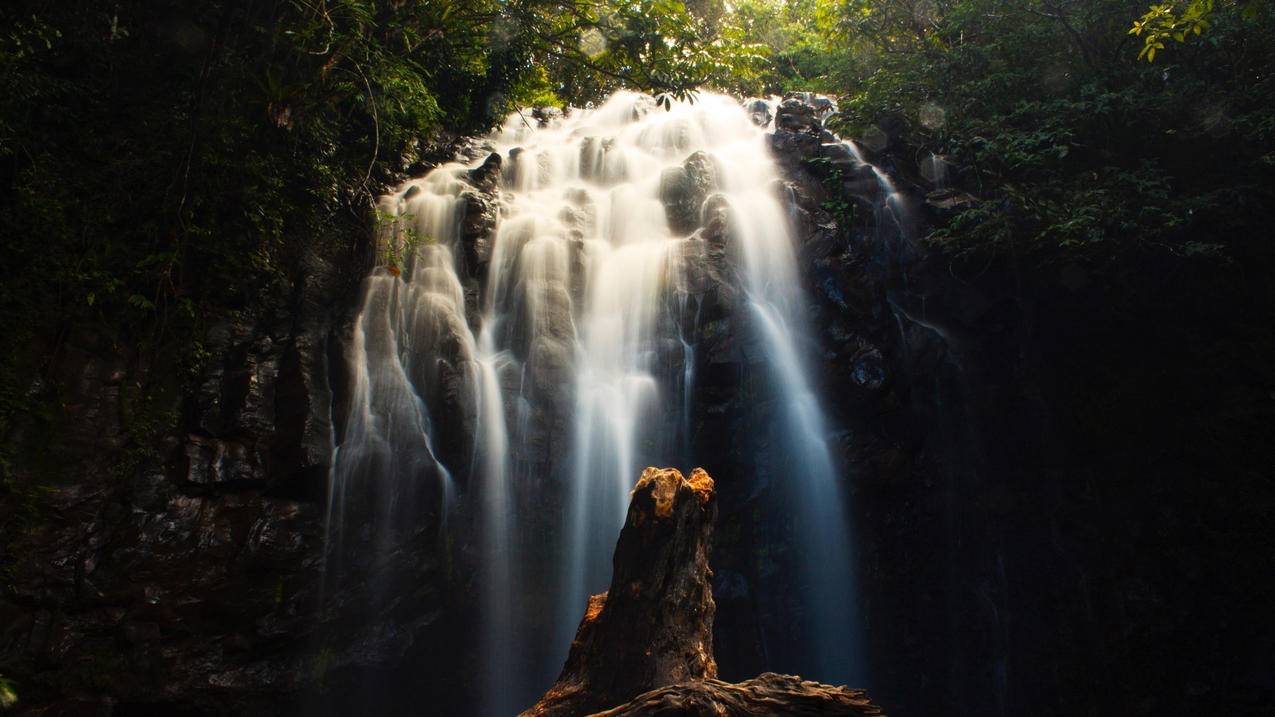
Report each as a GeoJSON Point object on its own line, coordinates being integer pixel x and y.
{"type": "Point", "coordinates": [547, 356]}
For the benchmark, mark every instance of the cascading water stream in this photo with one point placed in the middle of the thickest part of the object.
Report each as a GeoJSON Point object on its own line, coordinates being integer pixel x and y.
{"type": "Point", "coordinates": [574, 366]}
{"type": "Point", "coordinates": [891, 201]}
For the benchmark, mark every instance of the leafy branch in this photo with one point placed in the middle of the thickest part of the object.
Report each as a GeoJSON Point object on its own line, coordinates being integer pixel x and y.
{"type": "Point", "coordinates": [1173, 21]}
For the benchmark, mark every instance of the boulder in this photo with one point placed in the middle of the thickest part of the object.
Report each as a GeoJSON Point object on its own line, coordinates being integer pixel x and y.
{"type": "Point", "coordinates": [477, 227]}
{"type": "Point", "coordinates": [486, 176]}
{"type": "Point", "coordinates": [546, 116]}
{"type": "Point", "coordinates": [759, 112]}
{"type": "Point", "coordinates": [683, 190]}
{"type": "Point", "coordinates": [795, 115]}
{"type": "Point", "coordinates": [943, 204]}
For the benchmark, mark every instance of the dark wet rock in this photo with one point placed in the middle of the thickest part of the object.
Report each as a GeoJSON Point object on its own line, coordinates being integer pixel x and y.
{"type": "Point", "coordinates": [869, 370]}
{"type": "Point", "coordinates": [793, 147]}
{"type": "Point", "coordinates": [759, 112]}
{"type": "Point", "coordinates": [715, 219]}
{"type": "Point", "coordinates": [943, 204]}
{"type": "Point", "coordinates": [546, 116]}
{"type": "Point", "coordinates": [795, 115]}
{"type": "Point", "coordinates": [481, 212]}
{"type": "Point", "coordinates": [144, 585]}
{"type": "Point", "coordinates": [469, 149]}
{"type": "Point", "coordinates": [486, 177]}
{"type": "Point", "coordinates": [211, 461]}
{"type": "Point", "coordinates": [839, 153]}
{"type": "Point", "coordinates": [821, 105]}
{"type": "Point", "coordinates": [182, 578]}
{"type": "Point", "coordinates": [684, 189]}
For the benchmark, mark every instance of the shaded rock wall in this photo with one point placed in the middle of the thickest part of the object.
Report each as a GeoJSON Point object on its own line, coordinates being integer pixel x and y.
{"type": "Point", "coordinates": [1059, 470]}
{"type": "Point", "coordinates": [184, 578]}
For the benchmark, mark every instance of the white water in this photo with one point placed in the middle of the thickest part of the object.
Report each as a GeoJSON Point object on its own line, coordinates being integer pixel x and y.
{"type": "Point", "coordinates": [584, 339]}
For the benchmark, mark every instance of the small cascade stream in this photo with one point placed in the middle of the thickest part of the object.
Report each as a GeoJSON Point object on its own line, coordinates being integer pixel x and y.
{"type": "Point", "coordinates": [513, 380]}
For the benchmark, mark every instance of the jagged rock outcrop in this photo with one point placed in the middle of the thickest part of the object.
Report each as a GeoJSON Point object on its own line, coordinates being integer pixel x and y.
{"type": "Point", "coordinates": [181, 578]}
{"type": "Point", "coordinates": [797, 116]}
{"type": "Point", "coordinates": [683, 190]}
{"type": "Point", "coordinates": [646, 644]}
{"type": "Point", "coordinates": [482, 209]}
{"type": "Point", "coordinates": [759, 112]}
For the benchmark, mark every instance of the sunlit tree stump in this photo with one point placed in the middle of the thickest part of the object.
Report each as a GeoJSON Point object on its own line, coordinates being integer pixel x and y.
{"type": "Point", "coordinates": [645, 647]}
{"type": "Point", "coordinates": [654, 627]}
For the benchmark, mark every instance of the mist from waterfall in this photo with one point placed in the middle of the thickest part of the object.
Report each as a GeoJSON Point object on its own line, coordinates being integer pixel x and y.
{"type": "Point", "coordinates": [565, 355]}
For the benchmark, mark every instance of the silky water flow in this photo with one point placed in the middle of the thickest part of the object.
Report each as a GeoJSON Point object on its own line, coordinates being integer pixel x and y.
{"type": "Point", "coordinates": [565, 350]}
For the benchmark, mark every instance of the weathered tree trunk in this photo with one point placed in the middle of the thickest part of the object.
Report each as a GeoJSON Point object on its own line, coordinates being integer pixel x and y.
{"type": "Point", "coordinates": [654, 627]}
{"type": "Point", "coordinates": [647, 644]}
{"type": "Point", "coordinates": [766, 694]}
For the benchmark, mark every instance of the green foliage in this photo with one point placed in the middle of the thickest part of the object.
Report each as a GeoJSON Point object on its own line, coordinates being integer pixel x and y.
{"type": "Point", "coordinates": [1181, 22]}
{"type": "Point", "coordinates": [8, 694]}
{"type": "Point", "coordinates": [324, 660]}
{"type": "Point", "coordinates": [837, 204]}
{"type": "Point", "coordinates": [232, 129]}
{"type": "Point", "coordinates": [402, 239]}
{"type": "Point", "coordinates": [783, 46]}
{"type": "Point", "coordinates": [661, 46]}
{"type": "Point", "coordinates": [1078, 150]}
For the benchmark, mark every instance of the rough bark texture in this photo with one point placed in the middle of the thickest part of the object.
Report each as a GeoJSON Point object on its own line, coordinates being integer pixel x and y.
{"type": "Point", "coordinates": [766, 694]}
{"type": "Point", "coordinates": [649, 639]}
{"type": "Point", "coordinates": [654, 626]}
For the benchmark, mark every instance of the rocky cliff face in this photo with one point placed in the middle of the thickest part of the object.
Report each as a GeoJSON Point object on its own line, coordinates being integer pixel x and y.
{"type": "Point", "coordinates": [1055, 467]}
{"type": "Point", "coordinates": [186, 582]}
